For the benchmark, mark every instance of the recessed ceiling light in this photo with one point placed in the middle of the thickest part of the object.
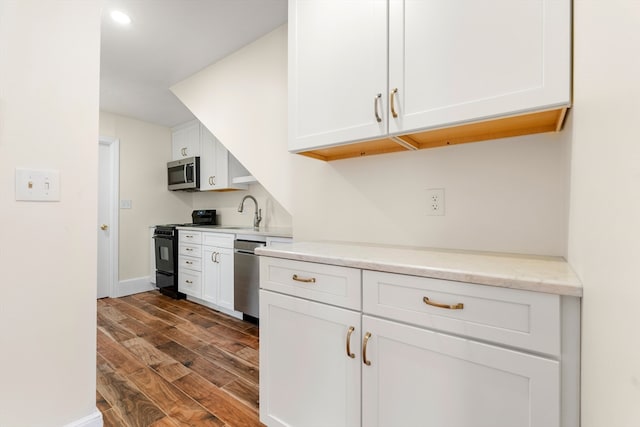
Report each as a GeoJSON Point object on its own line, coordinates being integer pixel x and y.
{"type": "Point", "coordinates": [120, 17]}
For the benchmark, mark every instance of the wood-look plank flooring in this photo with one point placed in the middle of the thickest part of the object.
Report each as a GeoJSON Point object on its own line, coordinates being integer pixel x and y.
{"type": "Point", "coordinates": [163, 362]}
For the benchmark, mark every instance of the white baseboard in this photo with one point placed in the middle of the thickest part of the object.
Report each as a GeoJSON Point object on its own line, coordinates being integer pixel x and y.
{"type": "Point", "coordinates": [232, 313]}
{"type": "Point", "coordinates": [134, 286]}
{"type": "Point", "coordinates": [92, 420]}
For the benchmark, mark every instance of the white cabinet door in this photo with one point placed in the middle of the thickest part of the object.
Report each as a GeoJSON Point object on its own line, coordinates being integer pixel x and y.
{"type": "Point", "coordinates": [306, 376]}
{"type": "Point", "coordinates": [214, 164]}
{"type": "Point", "coordinates": [225, 288]}
{"type": "Point", "coordinates": [419, 377]}
{"type": "Point", "coordinates": [337, 66]}
{"type": "Point", "coordinates": [210, 274]}
{"type": "Point", "coordinates": [462, 60]}
{"type": "Point", "coordinates": [217, 287]}
{"type": "Point", "coordinates": [185, 140]}
{"type": "Point", "coordinates": [208, 160]}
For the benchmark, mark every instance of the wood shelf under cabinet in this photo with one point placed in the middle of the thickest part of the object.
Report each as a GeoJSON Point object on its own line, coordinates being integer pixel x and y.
{"type": "Point", "coordinates": [504, 127]}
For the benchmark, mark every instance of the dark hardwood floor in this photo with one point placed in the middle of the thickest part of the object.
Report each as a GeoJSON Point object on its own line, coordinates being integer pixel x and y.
{"type": "Point", "coordinates": [163, 362]}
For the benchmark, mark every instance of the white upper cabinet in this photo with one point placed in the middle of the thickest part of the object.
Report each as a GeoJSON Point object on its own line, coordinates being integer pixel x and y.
{"type": "Point", "coordinates": [465, 60]}
{"type": "Point", "coordinates": [395, 73]}
{"type": "Point", "coordinates": [185, 140]}
{"type": "Point", "coordinates": [337, 68]}
{"type": "Point", "coordinates": [217, 166]}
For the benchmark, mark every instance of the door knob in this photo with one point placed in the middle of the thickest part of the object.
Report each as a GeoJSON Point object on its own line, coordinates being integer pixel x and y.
{"type": "Point", "coordinates": [104, 227]}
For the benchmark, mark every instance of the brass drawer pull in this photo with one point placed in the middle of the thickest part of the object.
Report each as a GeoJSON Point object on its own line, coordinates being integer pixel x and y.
{"type": "Point", "coordinates": [365, 341]}
{"type": "Point", "coordinates": [375, 107]}
{"type": "Point", "coordinates": [392, 101]}
{"type": "Point", "coordinates": [458, 306]}
{"type": "Point", "coordinates": [351, 355]}
{"type": "Point", "coordinates": [303, 279]}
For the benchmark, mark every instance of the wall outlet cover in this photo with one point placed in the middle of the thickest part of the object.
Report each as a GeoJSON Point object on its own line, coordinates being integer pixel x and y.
{"type": "Point", "coordinates": [435, 201]}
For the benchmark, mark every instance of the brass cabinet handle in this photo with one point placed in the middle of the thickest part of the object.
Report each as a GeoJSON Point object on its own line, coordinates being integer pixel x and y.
{"type": "Point", "coordinates": [375, 107]}
{"type": "Point", "coordinates": [458, 306]}
{"type": "Point", "coordinates": [393, 102]}
{"type": "Point", "coordinates": [351, 355]}
{"type": "Point", "coordinates": [365, 341]}
{"type": "Point", "coordinates": [104, 227]}
{"type": "Point", "coordinates": [304, 279]}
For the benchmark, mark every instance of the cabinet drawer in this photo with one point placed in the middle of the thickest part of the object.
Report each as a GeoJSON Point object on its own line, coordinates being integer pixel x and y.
{"type": "Point", "coordinates": [187, 236]}
{"type": "Point", "coordinates": [190, 250]}
{"type": "Point", "coordinates": [524, 319]}
{"type": "Point", "coordinates": [190, 283]}
{"type": "Point", "coordinates": [221, 240]}
{"type": "Point", "coordinates": [330, 284]}
{"type": "Point", "coordinates": [190, 263]}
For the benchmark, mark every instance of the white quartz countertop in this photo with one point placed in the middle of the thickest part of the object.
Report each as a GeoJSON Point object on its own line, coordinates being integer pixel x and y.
{"type": "Point", "coordinates": [240, 229]}
{"type": "Point", "coordinates": [535, 273]}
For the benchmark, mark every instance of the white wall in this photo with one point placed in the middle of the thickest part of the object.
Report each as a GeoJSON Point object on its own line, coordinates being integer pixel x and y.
{"type": "Point", "coordinates": [604, 239]}
{"type": "Point", "coordinates": [226, 206]}
{"type": "Point", "coordinates": [507, 195]}
{"type": "Point", "coordinates": [241, 100]}
{"type": "Point", "coordinates": [49, 79]}
{"type": "Point", "coordinates": [145, 149]}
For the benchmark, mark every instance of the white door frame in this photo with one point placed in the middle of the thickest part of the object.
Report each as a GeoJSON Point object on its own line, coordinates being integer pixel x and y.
{"type": "Point", "coordinates": [114, 197]}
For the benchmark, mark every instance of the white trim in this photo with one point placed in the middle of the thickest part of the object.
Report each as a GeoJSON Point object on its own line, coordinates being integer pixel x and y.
{"type": "Point", "coordinates": [114, 143]}
{"type": "Point", "coordinates": [92, 420]}
{"type": "Point", "coordinates": [133, 286]}
{"type": "Point", "coordinates": [232, 313]}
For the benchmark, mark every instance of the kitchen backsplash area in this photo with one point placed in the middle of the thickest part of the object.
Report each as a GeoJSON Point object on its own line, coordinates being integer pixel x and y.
{"type": "Point", "coordinates": [226, 206]}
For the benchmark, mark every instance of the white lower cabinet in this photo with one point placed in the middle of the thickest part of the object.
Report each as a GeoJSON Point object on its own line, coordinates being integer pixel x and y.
{"type": "Point", "coordinates": [218, 276]}
{"type": "Point", "coordinates": [419, 377]}
{"type": "Point", "coordinates": [307, 377]}
{"type": "Point", "coordinates": [418, 352]}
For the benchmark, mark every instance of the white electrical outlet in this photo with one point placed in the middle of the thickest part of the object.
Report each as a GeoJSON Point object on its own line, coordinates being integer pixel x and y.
{"type": "Point", "coordinates": [435, 201]}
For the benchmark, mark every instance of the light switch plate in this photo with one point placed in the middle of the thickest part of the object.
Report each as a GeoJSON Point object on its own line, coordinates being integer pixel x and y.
{"type": "Point", "coordinates": [37, 185]}
{"type": "Point", "coordinates": [125, 204]}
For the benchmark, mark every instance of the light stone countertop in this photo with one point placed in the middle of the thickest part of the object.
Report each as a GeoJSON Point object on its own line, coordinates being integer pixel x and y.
{"type": "Point", "coordinates": [534, 273]}
{"type": "Point", "coordinates": [243, 230]}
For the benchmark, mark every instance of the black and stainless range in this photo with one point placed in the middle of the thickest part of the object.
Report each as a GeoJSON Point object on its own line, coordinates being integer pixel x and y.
{"type": "Point", "coordinates": [166, 251]}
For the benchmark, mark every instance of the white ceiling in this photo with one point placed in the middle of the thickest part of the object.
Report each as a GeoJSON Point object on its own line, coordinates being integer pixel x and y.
{"type": "Point", "coordinates": [168, 41]}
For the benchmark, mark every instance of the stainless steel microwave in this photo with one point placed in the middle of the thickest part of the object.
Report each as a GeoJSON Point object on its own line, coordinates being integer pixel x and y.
{"type": "Point", "coordinates": [184, 174]}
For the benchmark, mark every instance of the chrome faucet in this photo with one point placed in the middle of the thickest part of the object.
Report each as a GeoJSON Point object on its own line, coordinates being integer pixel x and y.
{"type": "Point", "coordinates": [257, 217]}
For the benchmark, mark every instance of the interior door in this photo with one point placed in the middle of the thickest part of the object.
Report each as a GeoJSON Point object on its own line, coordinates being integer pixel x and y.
{"type": "Point", "coordinates": [107, 216]}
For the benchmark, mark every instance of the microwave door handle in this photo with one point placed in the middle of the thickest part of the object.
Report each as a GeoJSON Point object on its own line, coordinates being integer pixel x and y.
{"type": "Point", "coordinates": [184, 170]}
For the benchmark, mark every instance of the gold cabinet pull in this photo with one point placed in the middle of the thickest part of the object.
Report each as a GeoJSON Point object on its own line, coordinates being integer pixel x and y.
{"type": "Point", "coordinates": [304, 279]}
{"type": "Point", "coordinates": [458, 306]}
{"type": "Point", "coordinates": [351, 355]}
{"type": "Point", "coordinates": [365, 341]}
{"type": "Point", "coordinates": [376, 100]}
{"type": "Point", "coordinates": [104, 227]}
{"type": "Point", "coordinates": [392, 101]}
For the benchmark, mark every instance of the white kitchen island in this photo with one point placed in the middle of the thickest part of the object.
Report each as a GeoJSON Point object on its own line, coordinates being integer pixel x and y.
{"type": "Point", "coordinates": [370, 335]}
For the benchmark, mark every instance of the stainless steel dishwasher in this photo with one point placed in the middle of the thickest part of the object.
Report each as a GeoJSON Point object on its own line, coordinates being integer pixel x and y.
{"type": "Point", "coordinates": [246, 276]}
